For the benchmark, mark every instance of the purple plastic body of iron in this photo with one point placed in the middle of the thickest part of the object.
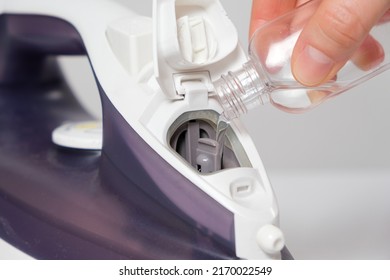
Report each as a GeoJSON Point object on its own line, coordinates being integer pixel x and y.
{"type": "Point", "coordinates": [124, 202]}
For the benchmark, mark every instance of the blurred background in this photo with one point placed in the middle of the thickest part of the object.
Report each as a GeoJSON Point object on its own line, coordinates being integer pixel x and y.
{"type": "Point", "coordinates": [330, 167]}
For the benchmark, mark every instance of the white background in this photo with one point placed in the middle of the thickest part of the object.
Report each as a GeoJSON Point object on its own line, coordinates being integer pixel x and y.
{"type": "Point", "coordinates": [330, 167]}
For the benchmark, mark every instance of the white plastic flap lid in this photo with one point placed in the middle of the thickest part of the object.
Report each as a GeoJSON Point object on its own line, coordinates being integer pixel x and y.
{"type": "Point", "coordinates": [190, 36]}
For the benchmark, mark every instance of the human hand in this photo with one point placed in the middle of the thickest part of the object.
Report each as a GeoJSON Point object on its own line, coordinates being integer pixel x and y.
{"type": "Point", "coordinates": [337, 31]}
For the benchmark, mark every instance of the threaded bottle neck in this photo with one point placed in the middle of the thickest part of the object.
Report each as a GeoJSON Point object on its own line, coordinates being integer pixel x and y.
{"type": "Point", "coordinates": [241, 91]}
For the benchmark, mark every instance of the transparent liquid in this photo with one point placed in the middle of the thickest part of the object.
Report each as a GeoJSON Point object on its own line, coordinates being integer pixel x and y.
{"type": "Point", "coordinates": [222, 125]}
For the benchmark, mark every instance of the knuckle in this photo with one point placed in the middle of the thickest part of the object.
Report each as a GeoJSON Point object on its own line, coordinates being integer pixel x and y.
{"type": "Point", "coordinates": [343, 27]}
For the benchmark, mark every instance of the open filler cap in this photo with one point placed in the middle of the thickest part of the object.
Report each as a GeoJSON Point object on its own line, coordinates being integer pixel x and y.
{"type": "Point", "coordinates": [192, 36]}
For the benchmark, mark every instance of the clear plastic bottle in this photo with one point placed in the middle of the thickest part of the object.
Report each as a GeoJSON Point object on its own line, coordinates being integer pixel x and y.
{"type": "Point", "coordinates": [267, 76]}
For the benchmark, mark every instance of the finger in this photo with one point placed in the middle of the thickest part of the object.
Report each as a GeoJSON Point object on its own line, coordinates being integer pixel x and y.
{"type": "Point", "coordinates": [385, 18]}
{"type": "Point", "coordinates": [266, 10]}
{"type": "Point", "coordinates": [332, 35]}
{"type": "Point", "coordinates": [369, 54]}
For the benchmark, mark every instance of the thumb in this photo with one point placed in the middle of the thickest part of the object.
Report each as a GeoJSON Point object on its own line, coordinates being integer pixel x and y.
{"type": "Point", "coordinates": [332, 35]}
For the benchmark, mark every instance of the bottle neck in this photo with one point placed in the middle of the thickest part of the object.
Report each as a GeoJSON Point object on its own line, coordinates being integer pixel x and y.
{"type": "Point", "coordinates": [241, 90]}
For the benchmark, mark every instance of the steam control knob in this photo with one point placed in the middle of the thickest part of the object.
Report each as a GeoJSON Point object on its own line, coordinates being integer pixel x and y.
{"type": "Point", "coordinates": [270, 239]}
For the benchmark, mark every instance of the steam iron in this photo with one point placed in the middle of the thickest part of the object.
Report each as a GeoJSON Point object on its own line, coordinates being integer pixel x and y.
{"type": "Point", "coordinates": [148, 183]}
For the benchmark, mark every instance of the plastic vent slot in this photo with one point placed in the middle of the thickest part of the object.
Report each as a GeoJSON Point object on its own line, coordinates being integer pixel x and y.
{"type": "Point", "coordinates": [194, 140]}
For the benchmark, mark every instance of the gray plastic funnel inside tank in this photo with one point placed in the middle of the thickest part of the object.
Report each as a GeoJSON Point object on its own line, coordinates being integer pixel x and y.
{"type": "Point", "coordinates": [195, 140]}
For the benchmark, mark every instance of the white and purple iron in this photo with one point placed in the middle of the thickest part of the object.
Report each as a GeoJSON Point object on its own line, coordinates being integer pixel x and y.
{"type": "Point", "coordinates": [159, 187]}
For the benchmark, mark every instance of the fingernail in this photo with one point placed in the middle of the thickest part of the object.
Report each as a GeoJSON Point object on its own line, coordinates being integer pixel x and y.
{"type": "Point", "coordinates": [312, 66]}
